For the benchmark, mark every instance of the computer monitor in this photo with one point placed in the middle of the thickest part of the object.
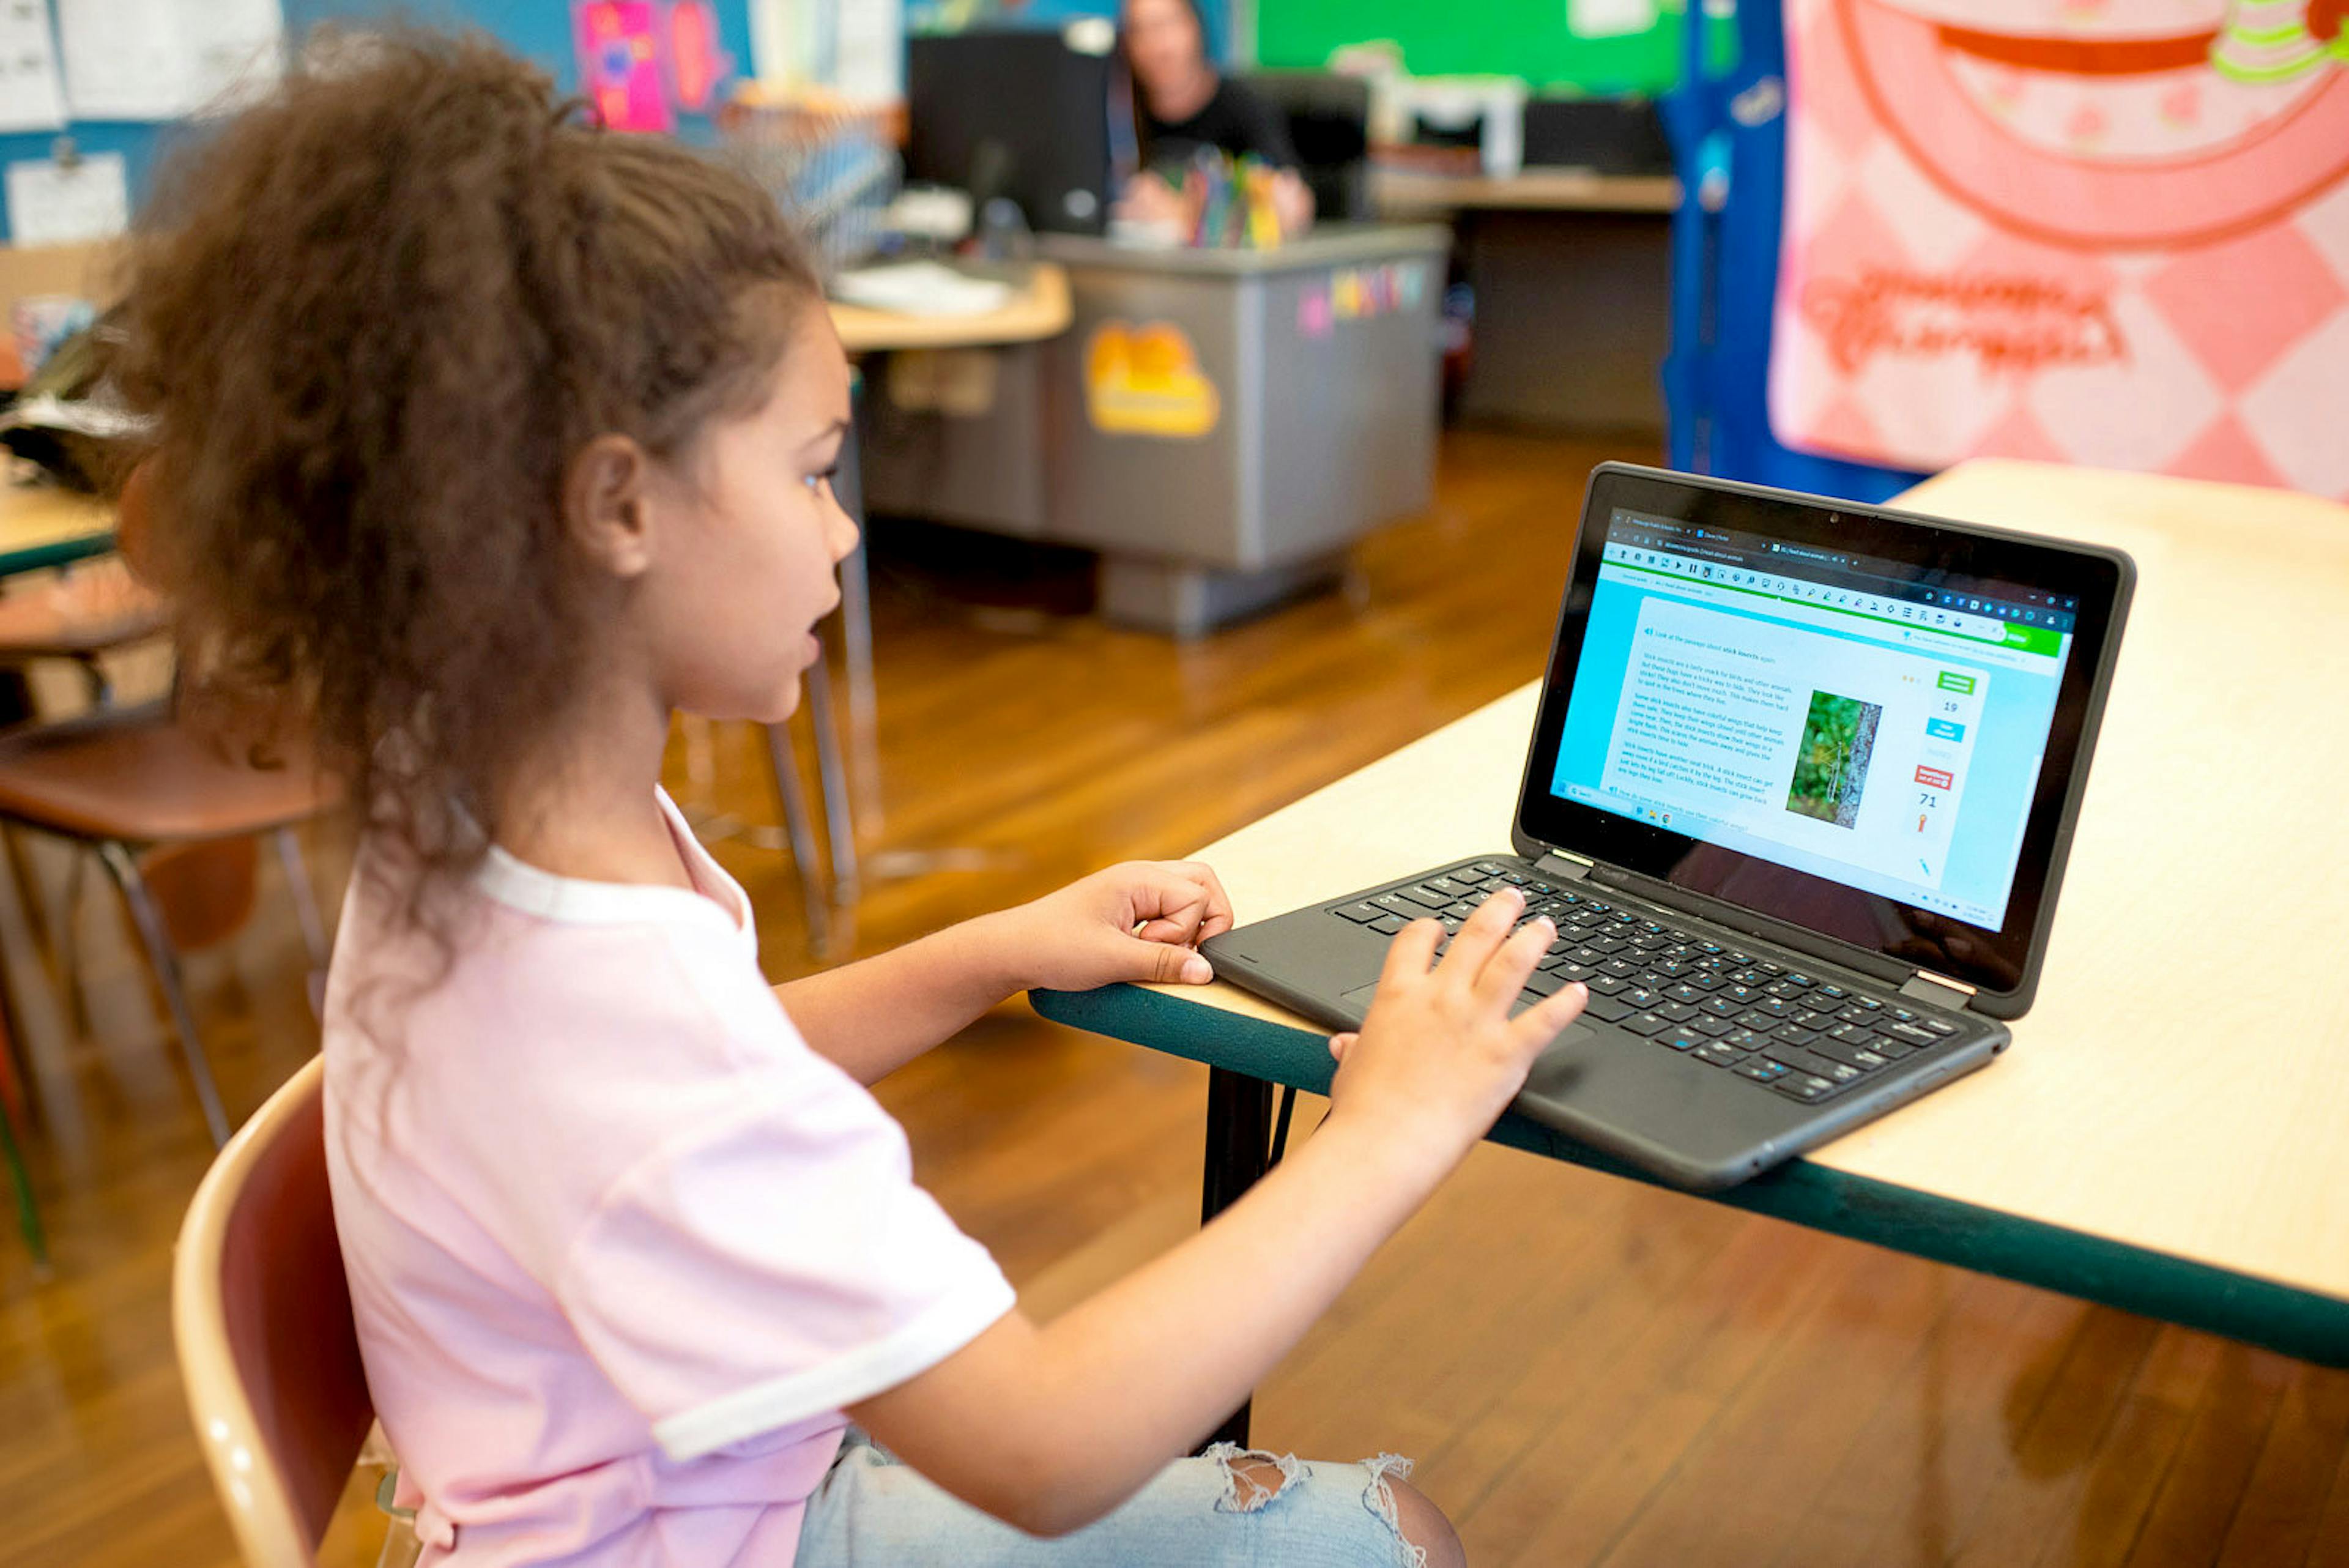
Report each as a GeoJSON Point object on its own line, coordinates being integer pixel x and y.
{"type": "Point", "coordinates": [1018, 113]}
{"type": "Point", "coordinates": [1329, 126]}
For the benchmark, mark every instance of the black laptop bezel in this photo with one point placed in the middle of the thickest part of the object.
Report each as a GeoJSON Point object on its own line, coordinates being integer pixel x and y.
{"type": "Point", "coordinates": [2002, 965]}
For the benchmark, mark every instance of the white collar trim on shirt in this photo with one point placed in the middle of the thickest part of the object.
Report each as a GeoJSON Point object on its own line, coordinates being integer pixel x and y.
{"type": "Point", "coordinates": [571, 901]}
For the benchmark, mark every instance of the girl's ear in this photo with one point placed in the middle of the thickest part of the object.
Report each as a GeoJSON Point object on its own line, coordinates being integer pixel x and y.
{"type": "Point", "coordinates": [606, 505]}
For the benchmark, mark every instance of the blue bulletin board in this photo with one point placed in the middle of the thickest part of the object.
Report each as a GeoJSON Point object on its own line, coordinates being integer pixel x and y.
{"type": "Point", "coordinates": [537, 30]}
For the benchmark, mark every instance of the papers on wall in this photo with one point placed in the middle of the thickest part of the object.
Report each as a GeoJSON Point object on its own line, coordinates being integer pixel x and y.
{"type": "Point", "coordinates": [50, 203]}
{"type": "Point", "coordinates": [856, 45]}
{"type": "Point", "coordinates": [161, 60]}
{"type": "Point", "coordinates": [31, 96]}
{"type": "Point", "coordinates": [870, 62]}
{"type": "Point", "coordinates": [771, 41]}
{"type": "Point", "coordinates": [1608, 18]}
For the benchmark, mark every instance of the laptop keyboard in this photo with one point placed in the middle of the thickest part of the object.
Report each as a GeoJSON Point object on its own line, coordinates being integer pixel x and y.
{"type": "Point", "coordinates": [1794, 1032]}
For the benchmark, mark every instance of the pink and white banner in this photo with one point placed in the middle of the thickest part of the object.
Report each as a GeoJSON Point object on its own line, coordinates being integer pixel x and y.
{"type": "Point", "coordinates": [2105, 232]}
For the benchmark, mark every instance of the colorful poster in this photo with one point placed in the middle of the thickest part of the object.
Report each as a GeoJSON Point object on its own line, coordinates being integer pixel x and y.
{"type": "Point", "coordinates": [620, 63]}
{"type": "Point", "coordinates": [696, 62]}
{"type": "Point", "coordinates": [2105, 232]}
{"type": "Point", "coordinates": [1145, 380]}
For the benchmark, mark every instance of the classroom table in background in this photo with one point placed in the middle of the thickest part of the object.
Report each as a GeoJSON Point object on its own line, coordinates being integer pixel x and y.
{"type": "Point", "coordinates": [2164, 1136]}
{"type": "Point", "coordinates": [1571, 275]}
{"type": "Point", "coordinates": [1037, 309]}
{"type": "Point", "coordinates": [1218, 425]}
{"type": "Point", "coordinates": [1405, 194]}
{"type": "Point", "coordinates": [42, 526]}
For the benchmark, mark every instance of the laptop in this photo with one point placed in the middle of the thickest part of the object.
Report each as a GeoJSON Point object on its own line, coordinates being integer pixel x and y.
{"type": "Point", "coordinates": [1798, 795]}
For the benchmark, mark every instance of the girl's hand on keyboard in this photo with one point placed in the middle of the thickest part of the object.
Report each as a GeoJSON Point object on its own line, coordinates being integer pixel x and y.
{"type": "Point", "coordinates": [1439, 1057]}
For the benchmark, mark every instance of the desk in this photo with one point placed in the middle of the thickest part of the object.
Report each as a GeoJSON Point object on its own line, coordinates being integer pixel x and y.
{"type": "Point", "coordinates": [1041, 310]}
{"type": "Point", "coordinates": [1407, 194]}
{"type": "Point", "coordinates": [42, 526]}
{"type": "Point", "coordinates": [2129, 1148]}
{"type": "Point", "coordinates": [1315, 371]}
{"type": "Point", "coordinates": [1571, 272]}
{"type": "Point", "coordinates": [1218, 424]}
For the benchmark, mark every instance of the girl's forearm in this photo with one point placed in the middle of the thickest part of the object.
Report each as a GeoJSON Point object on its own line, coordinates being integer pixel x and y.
{"type": "Point", "coordinates": [876, 1014]}
{"type": "Point", "coordinates": [1082, 1411]}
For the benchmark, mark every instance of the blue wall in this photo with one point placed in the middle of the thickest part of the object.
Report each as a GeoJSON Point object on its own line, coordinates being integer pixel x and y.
{"type": "Point", "coordinates": [540, 29]}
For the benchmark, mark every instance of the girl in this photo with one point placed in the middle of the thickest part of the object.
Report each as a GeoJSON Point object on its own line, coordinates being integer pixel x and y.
{"type": "Point", "coordinates": [492, 439]}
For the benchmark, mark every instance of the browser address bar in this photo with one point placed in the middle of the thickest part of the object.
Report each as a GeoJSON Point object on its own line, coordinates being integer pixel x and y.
{"type": "Point", "coordinates": [1901, 612]}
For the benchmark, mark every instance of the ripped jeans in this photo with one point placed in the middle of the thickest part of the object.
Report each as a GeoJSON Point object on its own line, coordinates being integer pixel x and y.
{"type": "Point", "coordinates": [873, 1512]}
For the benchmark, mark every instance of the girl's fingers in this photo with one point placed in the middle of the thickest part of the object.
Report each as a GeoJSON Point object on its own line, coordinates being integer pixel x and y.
{"type": "Point", "coordinates": [1413, 949]}
{"type": "Point", "coordinates": [1168, 906]}
{"type": "Point", "coordinates": [1218, 916]}
{"type": "Point", "coordinates": [1342, 1044]}
{"type": "Point", "coordinates": [1164, 929]}
{"type": "Point", "coordinates": [1505, 972]}
{"type": "Point", "coordinates": [1481, 936]}
{"type": "Point", "coordinates": [1544, 1021]}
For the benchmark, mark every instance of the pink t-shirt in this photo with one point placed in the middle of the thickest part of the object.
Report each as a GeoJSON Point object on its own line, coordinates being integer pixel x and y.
{"type": "Point", "coordinates": [620, 1244]}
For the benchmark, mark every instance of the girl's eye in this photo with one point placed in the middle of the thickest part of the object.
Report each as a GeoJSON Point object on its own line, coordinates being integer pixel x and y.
{"type": "Point", "coordinates": [818, 482]}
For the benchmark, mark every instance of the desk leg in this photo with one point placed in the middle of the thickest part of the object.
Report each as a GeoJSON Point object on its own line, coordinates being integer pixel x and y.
{"type": "Point", "coordinates": [1239, 1147]}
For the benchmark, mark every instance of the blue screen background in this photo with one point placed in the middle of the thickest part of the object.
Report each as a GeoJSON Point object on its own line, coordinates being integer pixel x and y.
{"type": "Point", "coordinates": [2016, 712]}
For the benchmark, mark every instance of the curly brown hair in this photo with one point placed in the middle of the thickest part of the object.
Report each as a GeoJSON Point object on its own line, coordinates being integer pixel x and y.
{"type": "Point", "coordinates": [375, 317]}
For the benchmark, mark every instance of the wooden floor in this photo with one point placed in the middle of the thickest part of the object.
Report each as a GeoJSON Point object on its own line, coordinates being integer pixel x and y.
{"type": "Point", "coordinates": [1587, 1371]}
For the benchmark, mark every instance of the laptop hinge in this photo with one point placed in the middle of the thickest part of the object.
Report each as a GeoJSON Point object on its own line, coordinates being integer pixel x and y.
{"type": "Point", "coordinates": [1565, 867]}
{"type": "Point", "coordinates": [1937, 990]}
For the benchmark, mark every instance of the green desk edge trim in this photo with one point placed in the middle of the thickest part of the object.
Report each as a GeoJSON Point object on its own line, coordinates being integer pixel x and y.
{"type": "Point", "coordinates": [59, 553]}
{"type": "Point", "coordinates": [2301, 1323]}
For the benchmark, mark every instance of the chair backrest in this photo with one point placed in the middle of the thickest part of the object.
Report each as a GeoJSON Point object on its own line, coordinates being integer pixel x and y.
{"type": "Point", "coordinates": [262, 1316]}
{"type": "Point", "coordinates": [1329, 121]}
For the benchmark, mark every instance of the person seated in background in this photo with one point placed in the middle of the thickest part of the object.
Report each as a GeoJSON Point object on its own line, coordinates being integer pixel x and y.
{"type": "Point", "coordinates": [1182, 104]}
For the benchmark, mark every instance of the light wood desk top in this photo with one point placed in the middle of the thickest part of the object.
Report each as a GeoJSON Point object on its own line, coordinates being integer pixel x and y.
{"type": "Point", "coordinates": [2181, 1086]}
{"type": "Point", "coordinates": [1405, 193]}
{"type": "Point", "coordinates": [42, 526]}
{"type": "Point", "coordinates": [1040, 311]}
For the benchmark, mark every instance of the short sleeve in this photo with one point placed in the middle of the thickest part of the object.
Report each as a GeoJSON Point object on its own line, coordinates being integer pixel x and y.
{"type": "Point", "coordinates": [771, 1265]}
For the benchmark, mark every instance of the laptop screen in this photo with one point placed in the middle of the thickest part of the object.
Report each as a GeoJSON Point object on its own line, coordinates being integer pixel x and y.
{"type": "Point", "coordinates": [1867, 725]}
{"type": "Point", "coordinates": [1833, 711]}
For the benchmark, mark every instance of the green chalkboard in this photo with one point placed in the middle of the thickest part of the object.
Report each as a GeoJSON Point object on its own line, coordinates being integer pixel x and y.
{"type": "Point", "coordinates": [1528, 38]}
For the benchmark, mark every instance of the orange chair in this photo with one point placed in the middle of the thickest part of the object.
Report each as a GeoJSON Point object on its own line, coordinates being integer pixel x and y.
{"type": "Point", "coordinates": [139, 785]}
{"type": "Point", "coordinates": [261, 1314]}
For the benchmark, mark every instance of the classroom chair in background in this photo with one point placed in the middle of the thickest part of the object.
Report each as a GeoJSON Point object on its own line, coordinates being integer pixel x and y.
{"type": "Point", "coordinates": [29, 1211]}
{"type": "Point", "coordinates": [79, 614]}
{"type": "Point", "coordinates": [85, 612]}
{"type": "Point", "coordinates": [174, 817]}
{"type": "Point", "coordinates": [261, 1317]}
